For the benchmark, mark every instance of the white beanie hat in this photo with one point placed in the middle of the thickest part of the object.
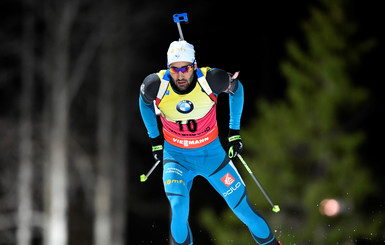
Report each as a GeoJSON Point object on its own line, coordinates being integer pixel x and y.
{"type": "Point", "coordinates": [180, 51]}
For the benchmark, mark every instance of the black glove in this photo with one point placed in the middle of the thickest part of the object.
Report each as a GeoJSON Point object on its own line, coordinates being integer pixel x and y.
{"type": "Point", "coordinates": [157, 148]}
{"type": "Point", "coordinates": [234, 143]}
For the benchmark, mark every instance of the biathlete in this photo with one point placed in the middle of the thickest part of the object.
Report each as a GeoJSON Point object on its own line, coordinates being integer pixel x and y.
{"type": "Point", "coordinates": [187, 97]}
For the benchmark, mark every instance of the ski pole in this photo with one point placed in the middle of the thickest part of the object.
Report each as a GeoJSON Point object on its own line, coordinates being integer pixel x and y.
{"type": "Point", "coordinates": [177, 19]}
{"type": "Point", "coordinates": [275, 207]}
{"type": "Point", "coordinates": [144, 177]}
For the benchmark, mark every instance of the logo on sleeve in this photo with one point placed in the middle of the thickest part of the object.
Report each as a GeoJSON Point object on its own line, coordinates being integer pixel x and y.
{"type": "Point", "coordinates": [227, 179]}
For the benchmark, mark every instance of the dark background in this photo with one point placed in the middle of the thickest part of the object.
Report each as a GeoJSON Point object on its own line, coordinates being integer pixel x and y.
{"type": "Point", "coordinates": [245, 36]}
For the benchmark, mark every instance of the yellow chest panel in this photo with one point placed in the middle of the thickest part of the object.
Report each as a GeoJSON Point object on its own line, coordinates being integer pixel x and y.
{"type": "Point", "coordinates": [182, 107]}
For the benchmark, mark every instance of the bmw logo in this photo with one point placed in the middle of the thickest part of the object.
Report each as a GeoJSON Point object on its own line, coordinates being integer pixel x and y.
{"type": "Point", "coordinates": [185, 106]}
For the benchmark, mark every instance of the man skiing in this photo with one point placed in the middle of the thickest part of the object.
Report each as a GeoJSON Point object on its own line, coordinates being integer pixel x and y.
{"type": "Point", "coordinates": [187, 98]}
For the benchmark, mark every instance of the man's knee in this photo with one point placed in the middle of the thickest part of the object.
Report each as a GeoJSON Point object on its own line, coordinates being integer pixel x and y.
{"type": "Point", "coordinates": [179, 206]}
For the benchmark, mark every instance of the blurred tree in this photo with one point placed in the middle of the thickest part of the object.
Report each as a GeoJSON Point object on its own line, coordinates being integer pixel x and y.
{"type": "Point", "coordinates": [112, 125]}
{"type": "Point", "coordinates": [103, 190]}
{"type": "Point", "coordinates": [63, 72]}
{"type": "Point", "coordinates": [68, 136]}
{"type": "Point", "coordinates": [60, 18]}
{"type": "Point", "coordinates": [25, 190]}
{"type": "Point", "coordinates": [304, 148]}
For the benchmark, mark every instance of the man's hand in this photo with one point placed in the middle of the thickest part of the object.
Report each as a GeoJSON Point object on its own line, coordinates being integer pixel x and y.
{"type": "Point", "coordinates": [157, 148]}
{"type": "Point", "coordinates": [234, 143]}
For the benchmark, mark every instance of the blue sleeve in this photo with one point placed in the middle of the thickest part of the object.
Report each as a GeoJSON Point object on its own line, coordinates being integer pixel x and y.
{"type": "Point", "coordinates": [236, 107]}
{"type": "Point", "coordinates": [149, 118]}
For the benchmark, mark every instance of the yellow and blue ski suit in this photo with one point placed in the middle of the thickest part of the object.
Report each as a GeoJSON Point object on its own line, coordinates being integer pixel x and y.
{"type": "Point", "coordinates": [192, 146]}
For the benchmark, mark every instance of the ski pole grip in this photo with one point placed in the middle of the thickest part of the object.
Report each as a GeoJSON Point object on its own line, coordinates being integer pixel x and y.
{"type": "Point", "coordinates": [177, 19]}
{"type": "Point", "coordinates": [180, 17]}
